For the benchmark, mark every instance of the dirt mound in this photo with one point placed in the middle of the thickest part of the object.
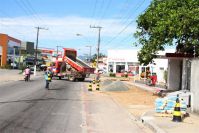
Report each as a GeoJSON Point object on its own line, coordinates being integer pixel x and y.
{"type": "Point", "coordinates": [115, 86]}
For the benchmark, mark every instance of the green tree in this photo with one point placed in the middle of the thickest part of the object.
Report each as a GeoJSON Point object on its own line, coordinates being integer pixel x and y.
{"type": "Point", "coordinates": [94, 57]}
{"type": "Point", "coordinates": [167, 23]}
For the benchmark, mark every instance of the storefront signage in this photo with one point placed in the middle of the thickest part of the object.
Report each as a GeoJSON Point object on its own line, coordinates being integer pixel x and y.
{"type": "Point", "coordinates": [116, 59]}
{"type": "Point", "coordinates": [47, 51]}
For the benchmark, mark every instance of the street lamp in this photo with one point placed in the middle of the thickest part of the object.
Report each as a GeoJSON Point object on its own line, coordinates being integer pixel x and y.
{"type": "Point", "coordinates": [78, 34]}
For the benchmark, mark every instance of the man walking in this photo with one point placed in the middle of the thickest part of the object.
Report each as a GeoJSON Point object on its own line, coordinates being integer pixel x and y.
{"type": "Point", "coordinates": [48, 77]}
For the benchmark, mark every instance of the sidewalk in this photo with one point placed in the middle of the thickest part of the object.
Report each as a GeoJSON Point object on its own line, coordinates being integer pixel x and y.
{"type": "Point", "coordinates": [8, 75]}
{"type": "Point", "coordinates": [165, 124]}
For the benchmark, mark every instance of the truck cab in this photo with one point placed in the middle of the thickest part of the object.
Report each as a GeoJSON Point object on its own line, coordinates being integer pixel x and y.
{"type": "Point", "coordinates": [56, 69]}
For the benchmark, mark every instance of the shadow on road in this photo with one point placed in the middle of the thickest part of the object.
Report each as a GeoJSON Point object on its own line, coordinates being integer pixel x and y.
{"type": "Point", "coordinates": [44, 99]}
{"type": "Point", "coordinates": [32, 80]}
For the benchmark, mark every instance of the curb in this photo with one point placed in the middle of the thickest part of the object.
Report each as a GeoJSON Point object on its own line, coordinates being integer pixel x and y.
{"type": "Point", "coordinates": [147, 121]}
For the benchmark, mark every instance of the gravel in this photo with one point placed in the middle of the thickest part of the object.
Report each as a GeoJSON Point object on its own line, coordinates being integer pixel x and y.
{"type": "Point", "coordinates": [106, 82]}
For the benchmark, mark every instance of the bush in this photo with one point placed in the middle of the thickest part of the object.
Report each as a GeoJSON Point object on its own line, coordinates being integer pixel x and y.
{"type": "Point", "coordinates": [165, 75]}
{"type": "Point", "coordinates": [124, 75]}
{"type": "Point", "coordinates": [7, 66]}
{"type": "Point", "coordinates": [112, 75]}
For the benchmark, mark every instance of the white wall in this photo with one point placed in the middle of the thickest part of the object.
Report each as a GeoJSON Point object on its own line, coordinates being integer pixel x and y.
{"type": "Point", "coordinates": [122, 56]}
{"type": "Point", "coordinates": [195, 85]}
{"type": "Point", "coordinates": [159, 68]}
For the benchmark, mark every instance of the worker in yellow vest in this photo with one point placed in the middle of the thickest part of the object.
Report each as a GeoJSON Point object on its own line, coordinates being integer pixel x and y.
{"type": "Point", "coordinates": [48, 77]}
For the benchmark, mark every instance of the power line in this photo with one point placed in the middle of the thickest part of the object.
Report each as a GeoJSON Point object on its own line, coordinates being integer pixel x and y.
{"type": "Point", "coordinates": [121, 11]}
{"type": "Point", "coordinates": [94, 10]}
{"type": "Point", "coordinates": [105, 11]}
{"type": "Point", "coordinates": [125, 26]}
{"type": "Point", "coordinates": [34, 12]}
{"type": "Point", "coordinates": [30, 9]}
{"type": "Point", "coordinates": [130, 14]}
{"type": "Point", "coordinates": [25, 10]}
{"type": "Point", "coordinates": [99, 11]}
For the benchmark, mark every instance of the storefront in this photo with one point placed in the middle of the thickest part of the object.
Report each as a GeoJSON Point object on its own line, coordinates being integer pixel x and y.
{"type": "Point", "coordinates": [122, 60]}
{"type": "Point", "coordinates": [9, 50]}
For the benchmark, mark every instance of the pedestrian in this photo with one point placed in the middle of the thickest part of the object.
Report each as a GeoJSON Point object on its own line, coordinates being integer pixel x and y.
{"type": "Point", "coordinates": [97, 76]}
{"type": "Point", "coordinates": [48, 77]}
{"type": "Point", "coordinates": [27, 72]}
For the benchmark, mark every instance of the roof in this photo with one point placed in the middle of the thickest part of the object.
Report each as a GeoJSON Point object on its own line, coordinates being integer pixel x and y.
{"type": "Point", "coordinates": [175, 56]}
{"type": "Point", "coordinates": [70, 49]}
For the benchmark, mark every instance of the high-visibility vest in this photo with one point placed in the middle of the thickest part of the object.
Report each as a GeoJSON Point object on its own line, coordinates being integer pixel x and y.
{"type": "Point", "coordinates": [48, 76]}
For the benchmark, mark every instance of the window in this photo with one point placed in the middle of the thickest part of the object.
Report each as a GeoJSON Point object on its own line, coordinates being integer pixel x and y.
{"type": "Point", "coordinates": [161, 68]}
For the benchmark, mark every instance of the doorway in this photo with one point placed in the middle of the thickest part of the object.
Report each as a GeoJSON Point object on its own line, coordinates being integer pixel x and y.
{"type": "Point", "coordinates": [120, 68]}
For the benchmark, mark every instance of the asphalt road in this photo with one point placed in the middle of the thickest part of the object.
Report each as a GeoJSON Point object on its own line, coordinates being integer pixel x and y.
{"type": "Point", "coordinates": [26, 107]}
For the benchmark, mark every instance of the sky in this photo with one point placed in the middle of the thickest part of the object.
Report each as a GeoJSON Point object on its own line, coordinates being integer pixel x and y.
{"type": "Point", "coordinates": [67, 23]}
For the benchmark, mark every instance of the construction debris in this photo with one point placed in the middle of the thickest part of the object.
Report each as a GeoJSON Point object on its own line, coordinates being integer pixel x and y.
{"type": "Point", "coordinates": [167, 104]}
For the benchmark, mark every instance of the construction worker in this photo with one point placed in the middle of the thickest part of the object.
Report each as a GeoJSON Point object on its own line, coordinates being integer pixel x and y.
{"type": "Point", "coordinates": [97, 77]}
{"type": "Point", "coordinates": [48, 77]}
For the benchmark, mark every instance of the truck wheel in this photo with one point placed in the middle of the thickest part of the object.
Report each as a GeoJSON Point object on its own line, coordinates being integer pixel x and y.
{"type": "Point", "coordinates": [81, 79]}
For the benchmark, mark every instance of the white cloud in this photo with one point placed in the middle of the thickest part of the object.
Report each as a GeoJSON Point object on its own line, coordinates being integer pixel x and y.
{"type": "Point", "coordinates": [64, 28]}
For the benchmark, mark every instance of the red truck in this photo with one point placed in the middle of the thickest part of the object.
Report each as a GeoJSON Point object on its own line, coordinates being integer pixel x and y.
{"type": "Point", "coordinates": [71, 67]}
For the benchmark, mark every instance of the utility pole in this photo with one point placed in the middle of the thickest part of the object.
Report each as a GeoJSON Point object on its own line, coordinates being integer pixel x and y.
{"type": "Point", "coordinates": [58, 49]}
{"type": "Point", "coordinates": [35, 61]}
{"type": "Point", "coordinates": [98, 45]}
{"type": "Point", "coordinates": [89, 54]}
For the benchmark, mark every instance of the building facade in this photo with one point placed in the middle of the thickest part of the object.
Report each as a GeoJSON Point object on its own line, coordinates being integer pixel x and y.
{"type": "Point", "coordinates": [127, 60]}
{"type": "Point", "coordinates": [121, 60]}
{"type": "Point", "coordinates": [27, 48]}
{"type": "Point", "coordinates": [9, 49]}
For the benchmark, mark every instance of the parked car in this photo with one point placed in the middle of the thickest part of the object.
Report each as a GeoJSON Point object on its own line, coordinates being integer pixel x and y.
{"type": "Point", "coordinates": [14, 65]}
{"type": "Point", "coordinates": [101, 71]}
{"type": "Point", "coordinates": [43, 67]}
